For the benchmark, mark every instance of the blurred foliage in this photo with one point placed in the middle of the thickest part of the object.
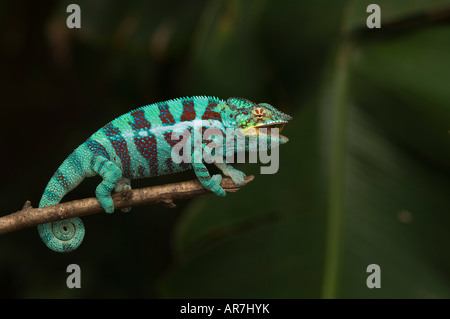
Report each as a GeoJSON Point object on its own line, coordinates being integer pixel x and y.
{"type": "Point", "coordinates": [363, 180]}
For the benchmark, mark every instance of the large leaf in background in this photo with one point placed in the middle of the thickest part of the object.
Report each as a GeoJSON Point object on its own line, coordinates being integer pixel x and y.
{"type": "Point", "coordinates": [399, 160]}
{"type": "Point", "coordinates": [406, 77]}
{"type": "Point", "coordinates": [353, 161]}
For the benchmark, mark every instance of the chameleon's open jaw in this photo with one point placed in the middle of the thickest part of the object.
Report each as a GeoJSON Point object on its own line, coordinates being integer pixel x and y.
{"type": "Point", "coordinates": [256, 130]}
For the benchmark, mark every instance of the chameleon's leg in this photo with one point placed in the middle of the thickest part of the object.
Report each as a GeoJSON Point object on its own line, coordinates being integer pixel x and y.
{"type": "Point", "coordinates": [236, 175]}
{"type": "Point", "coordinates": [123, 184]}
{"type": "Point", "coordinates": [110, 174]}
{"type": "Point", "coordinates": [210, 183]}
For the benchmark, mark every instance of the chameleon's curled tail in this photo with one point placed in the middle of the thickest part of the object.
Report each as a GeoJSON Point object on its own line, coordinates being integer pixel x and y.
{"type": "Point", "coordinates": [66, 235]}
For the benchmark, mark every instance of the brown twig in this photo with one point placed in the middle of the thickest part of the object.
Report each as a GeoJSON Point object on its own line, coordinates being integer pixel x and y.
{"type": "Point", "coordinates": [164, 194]}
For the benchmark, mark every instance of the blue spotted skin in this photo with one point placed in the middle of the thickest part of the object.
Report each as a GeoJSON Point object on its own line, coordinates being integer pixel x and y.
{"type": "Point", "coordinates": [138, 144]}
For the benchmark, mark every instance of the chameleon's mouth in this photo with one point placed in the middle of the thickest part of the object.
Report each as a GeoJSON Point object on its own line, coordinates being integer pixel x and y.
{"type": "Point", "coordinates": [267, 129]}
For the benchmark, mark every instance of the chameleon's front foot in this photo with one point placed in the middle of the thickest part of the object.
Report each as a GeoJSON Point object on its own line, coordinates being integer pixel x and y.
{"type": "Point", "coordinates": [214, 185]}
{"type": "Point", "coordinates": [211, 183]}
{"type": "Point", "coordinates": [237, 176]}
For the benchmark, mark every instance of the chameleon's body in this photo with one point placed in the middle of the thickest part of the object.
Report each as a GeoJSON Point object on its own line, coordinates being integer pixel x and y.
{"type": "Point", "coordinates": [139, 143]}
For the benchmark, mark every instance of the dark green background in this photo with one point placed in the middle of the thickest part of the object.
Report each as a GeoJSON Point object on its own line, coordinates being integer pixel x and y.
{"type": "Point", "coordinates": [365, 178]}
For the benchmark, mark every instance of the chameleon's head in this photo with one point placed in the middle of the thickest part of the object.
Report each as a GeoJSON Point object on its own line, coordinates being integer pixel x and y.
{"type": "Point", "coordinates": [258, 119]}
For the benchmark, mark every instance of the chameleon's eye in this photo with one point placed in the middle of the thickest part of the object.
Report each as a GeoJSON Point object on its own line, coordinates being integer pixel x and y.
{"type": "Point", "coordinates": [259, 113]}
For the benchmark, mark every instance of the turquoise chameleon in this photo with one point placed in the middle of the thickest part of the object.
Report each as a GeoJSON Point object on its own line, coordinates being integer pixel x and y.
{"type": "Point", "coordinates": [139, 144]}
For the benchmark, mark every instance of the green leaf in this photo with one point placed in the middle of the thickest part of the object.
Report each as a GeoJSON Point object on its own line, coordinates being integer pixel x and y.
{"type": "Point", "coordinates": [364, 179]}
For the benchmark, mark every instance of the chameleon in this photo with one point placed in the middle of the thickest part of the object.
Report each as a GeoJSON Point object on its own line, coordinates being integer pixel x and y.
{"type": "Point", "coordinates": [139, 144]}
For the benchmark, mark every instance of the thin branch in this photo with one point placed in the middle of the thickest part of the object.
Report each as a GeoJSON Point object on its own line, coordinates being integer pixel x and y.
{"type": "Point", "coordinates": [163, 194]}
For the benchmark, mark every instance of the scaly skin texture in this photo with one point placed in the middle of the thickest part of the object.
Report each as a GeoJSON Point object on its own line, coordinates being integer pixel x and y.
{"type": "Point", "coordinates": [138, 144]}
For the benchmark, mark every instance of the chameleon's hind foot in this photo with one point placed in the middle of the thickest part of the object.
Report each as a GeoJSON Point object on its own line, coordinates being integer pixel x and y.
{"type": "Point", "coordinates": [123, 184]}
{"type": "Point", "coordinates": [111, 174]}
{"type": "Point", "coordinates": [105, 201]}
